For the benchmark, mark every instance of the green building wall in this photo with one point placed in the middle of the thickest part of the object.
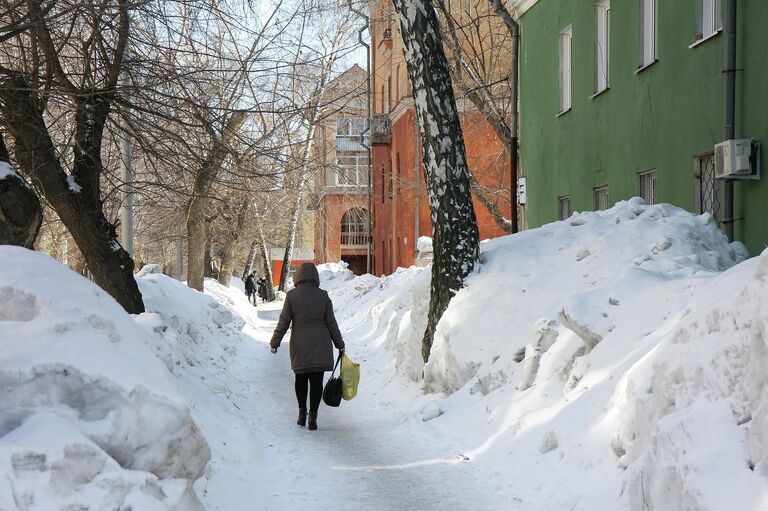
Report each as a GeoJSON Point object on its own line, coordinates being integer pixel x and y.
{"type": "Point", "coordinates": [662, 117]}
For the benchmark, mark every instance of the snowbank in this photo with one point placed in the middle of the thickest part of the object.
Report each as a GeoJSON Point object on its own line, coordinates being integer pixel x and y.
{"type": "Point", "coordinates": [91, 418]}
{"type": "Point", "coordinates": [612, 361]}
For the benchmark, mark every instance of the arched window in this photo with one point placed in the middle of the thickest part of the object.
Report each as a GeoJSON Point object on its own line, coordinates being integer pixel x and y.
{"type": "Point", "coordinates": [354, 227]}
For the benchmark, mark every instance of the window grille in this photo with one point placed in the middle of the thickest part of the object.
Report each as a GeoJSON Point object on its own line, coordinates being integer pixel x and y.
{"type": "Point", "coordinates": [708, 190]}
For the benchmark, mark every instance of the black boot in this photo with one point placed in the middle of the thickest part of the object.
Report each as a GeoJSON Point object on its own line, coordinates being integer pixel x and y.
{"type": "Point", "coordinates": [302, 417]}
{"type": "Point", "coordinates": [312, 421]}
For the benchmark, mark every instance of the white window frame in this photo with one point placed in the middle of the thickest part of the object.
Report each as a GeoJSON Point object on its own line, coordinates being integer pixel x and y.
{"type": "Point", "coordinates": [565, 76]}
{"type": "Point", "coordinates": [350, 127]}
{"type": "Point", "coordinates": [564, 200]}
{"type": "Point", "coordinates": [648, 33]}
{"type": "Point", "coordinates": [356, 173]}
{"type": "Point", "coordinates": [602, 45]}
{"type": "Point", "coordinates": [646, 185]}
{"type": "Point", "coordinates": [709, 20]}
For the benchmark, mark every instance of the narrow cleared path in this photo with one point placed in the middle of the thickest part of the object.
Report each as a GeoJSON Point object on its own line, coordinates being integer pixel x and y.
{"type": "Point", "coordinates": [359, 459]}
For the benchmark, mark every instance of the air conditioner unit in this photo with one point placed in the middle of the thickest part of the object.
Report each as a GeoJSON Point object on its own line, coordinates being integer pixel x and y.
{"type": "Point", "coordinates": [737, 159]}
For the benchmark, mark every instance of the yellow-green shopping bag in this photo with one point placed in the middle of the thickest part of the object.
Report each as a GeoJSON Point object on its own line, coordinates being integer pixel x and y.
{"type": "Point", "coordinates": [350, 377]}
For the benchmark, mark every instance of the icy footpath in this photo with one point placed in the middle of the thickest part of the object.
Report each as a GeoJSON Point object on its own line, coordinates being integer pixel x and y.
{"type": "Point", "coordinates": [613, 361]}
{"type": "Point", "coordinates": [90, 417]}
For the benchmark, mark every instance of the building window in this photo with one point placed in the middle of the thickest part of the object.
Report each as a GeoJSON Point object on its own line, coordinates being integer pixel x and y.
{"type": "Point", "coordinates": [391, 181]}
{"type": "Point", "coordinates": [564, 207]}
{"type": "Point", "coordinates": [708, 190]}
{"type": "Point", "coordinates": [566, 37]}
{"type": "Point", "coordinates": [601, 198]}
{"type": "Point", "coordinates": [351, 156]}
{"type": "Point", "coordinates": [648, 32]}
{"type": "Point", "coordinates": [708, 19]}
{"type": "Point", "coordinates": [354, 228]}
{"type": "Point", "coordinates": [646, 186]}
{"type": "Point", "coordinates": [602, 45]}
{"type": "Point", "coordinates": [389, 94]}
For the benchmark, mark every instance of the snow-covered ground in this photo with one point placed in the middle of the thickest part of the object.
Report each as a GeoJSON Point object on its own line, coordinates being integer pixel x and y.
{"type": "Point", "coordinates": [613, 361]}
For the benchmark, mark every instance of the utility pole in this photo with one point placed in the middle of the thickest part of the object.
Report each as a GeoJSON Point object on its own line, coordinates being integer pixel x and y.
{"type": "Point", "coordinates": [126, 211]}
{"type": "Point", "coordinates": [179, 246]}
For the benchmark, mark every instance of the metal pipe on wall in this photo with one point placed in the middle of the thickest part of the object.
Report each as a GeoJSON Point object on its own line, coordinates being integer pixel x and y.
{"type": "Point", "coordinates": [367, 130]}
{"type": "Point", "coordinates": [729, 130]}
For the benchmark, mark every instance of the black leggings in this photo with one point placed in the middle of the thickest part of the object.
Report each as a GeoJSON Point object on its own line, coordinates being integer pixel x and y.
{"type": "Point", "coordinates": [315, 383]}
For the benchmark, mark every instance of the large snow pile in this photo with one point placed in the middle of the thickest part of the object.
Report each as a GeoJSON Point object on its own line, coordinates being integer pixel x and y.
{"type": "Point", "coordinates": [90, 417]}
{"type": "Point", "coordinates": [614, 360]}
{"type": "Point", "coordinates": [193, 329]}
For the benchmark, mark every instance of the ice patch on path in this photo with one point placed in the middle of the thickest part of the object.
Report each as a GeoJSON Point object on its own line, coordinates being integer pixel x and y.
{"type": "Point", "coordinates": [90, 418]}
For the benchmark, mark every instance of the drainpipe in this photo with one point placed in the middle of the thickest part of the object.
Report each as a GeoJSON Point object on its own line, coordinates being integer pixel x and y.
{"type": "Point", "coordinates": [513, 154]}
{"type": "Point", "coordinates": [367, 130]}
{"type": "Point", "coordinates": [730, 106]}
{"type": "Point", "coordinates": [514, 86]}
{"type": "Point", "coordinates": [416, 170]}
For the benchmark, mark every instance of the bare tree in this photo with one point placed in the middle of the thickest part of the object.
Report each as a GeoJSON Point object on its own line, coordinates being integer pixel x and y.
{"type": "Point", "coordinates": [477, 44]}
{"type": "Point", "coordinates": [454, 226]}
{"type": "Point", "coordinates": [62, 60]}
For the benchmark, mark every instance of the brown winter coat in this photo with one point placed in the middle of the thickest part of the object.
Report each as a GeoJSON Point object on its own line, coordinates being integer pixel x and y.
{"type": "Point", "coordinates": [310, 311]}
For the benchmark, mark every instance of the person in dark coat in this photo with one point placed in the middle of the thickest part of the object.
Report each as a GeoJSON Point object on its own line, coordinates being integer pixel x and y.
{"type": "Point", "coordinates": [263, 289]}
{"type": "Point", "coordinates": [250, 287]}
{"type": "Point", "coordinates": [309, 311]}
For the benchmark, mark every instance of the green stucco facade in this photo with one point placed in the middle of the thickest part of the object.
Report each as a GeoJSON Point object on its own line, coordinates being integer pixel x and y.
{"type": "Point", "coordinates": [661, 117]}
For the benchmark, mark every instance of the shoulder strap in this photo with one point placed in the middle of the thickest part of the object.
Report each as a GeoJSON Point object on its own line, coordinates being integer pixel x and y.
{"type": "Point", "coordinates": [338, 360]}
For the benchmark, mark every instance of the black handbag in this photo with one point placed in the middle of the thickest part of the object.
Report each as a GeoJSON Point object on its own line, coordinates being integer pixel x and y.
{"type": "Point", "coordinates": [332, 390]}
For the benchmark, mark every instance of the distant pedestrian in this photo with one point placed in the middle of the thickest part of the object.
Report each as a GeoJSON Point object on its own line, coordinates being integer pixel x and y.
{"type": "Point", "coordinates": [250, 287]}
{"type": "Point", "coordinates": [263, 289]}
{"type": "Point", "coordinates": [314, 333]}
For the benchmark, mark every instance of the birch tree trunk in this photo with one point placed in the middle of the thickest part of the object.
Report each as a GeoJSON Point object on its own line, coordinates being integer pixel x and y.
{"type": "Point", "coordinates": [267, 263]}
{"type": "Point", "coordinates": [197, 228]}
{"type": "Point", "coordinates": [251, 258]}
{"type": "Point", "coordinates": [293, 226]}
{"type": "Point", "coordinates": [454, 226]}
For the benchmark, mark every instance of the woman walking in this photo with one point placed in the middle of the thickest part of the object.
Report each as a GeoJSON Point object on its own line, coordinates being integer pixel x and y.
{"type": "Point", "coordinates": [314, 327]}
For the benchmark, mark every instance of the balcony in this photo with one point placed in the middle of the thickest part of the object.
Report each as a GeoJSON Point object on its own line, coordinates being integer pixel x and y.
{"type": "Point", "coordinates": [381, 129]}
{"type": "Point", "coordinates": [354, 239]}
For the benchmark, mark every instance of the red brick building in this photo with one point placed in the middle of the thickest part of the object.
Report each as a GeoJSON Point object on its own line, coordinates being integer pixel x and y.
{"type": "Point", "coordinates": [340, 195]}
{"type": "Point", "coordinates": [400, 203]}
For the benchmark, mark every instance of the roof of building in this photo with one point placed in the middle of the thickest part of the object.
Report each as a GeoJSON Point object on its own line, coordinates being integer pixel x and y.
{"type": "Point", "coordinates": [519, 7]}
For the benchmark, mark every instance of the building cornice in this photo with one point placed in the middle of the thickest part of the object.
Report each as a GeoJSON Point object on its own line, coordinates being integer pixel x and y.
{"type": "Point", "coordinates": [519, 7]}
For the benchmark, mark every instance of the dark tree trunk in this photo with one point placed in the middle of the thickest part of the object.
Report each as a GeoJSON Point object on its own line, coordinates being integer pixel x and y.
{"type": "Point", "coordinates": [230, 243]}
{"type": "Point", "coordinates": [454, 226]}
{"type": "Point", "coordinates": [209, 271]}
{"type": "Point", "coordinates": [197, 207]}
{"type": "Point", "coordinates": [21, 214]}
{"type": "Point", "coordinates": [77, 202]}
